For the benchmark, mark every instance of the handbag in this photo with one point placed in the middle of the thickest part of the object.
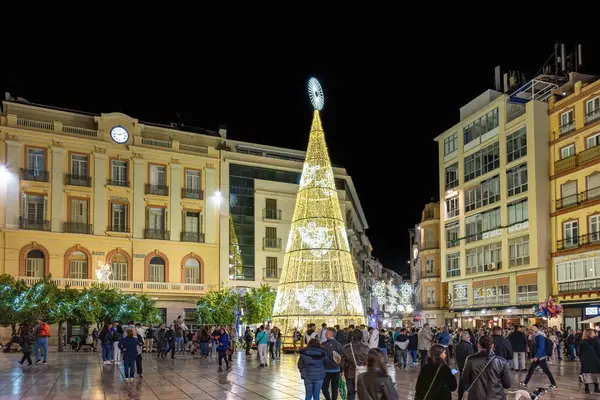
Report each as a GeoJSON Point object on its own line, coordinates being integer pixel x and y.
{"type": "Point", "coordinates": [432, 382]}
{"type": "Point", "coordinates": [477, 377]}
{"type": "Point", "coordinates": [358, 369]}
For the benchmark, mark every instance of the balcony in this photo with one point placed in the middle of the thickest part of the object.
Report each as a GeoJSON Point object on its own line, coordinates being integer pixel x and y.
{"type": "Point", "coordinates": [592, 116]}
{"type": "Point", "coordinates": [578, 241]}
{"type": "Point", "coordinates": [565, 164]}
{"type": "Point", "coordinates": [588, 285]}
{"type": "Point", "coordinates": [79, 180]}
{"type": "Point", "coordinates": [272, 243]}
{"type": "Point", "coordinates": [452, 243]}
{"type": "Point", "coordinates": [192, 237]}
{"type": "Point", "coordinates": [34, 224]}
{"type": "Point", "coordinates": [118, 228]}
{"type": "Point", "coordinates": [429, 274]}
{"type": "Point", "coordinates": [578, 199]}
{"type": "Point", "coordinates": [35, 175]}
{"type": "Point", "coordinates": [115, 182]}
{"type": "Point", "coordinates": [528, 297]}
{"type": "Point", "coordinates": [476, 269]}
{"type": "Point", "coordinates": [489, 300]}
{"type": "Point", "coordinates": [129, 286]}
{"type": "Point", "coordinates": [460, 302]}
{"type": "Point", "coordinates": [157, 234]}
{"type": "Point", "coordinates": [583, 157]}
{"type": "Point", "coordinates": [273, 274]}
{"type": "Point", "coordinates": [159, 190]}
{"type": "Point", "coordinates": [433, 244]}
{"type": "Point", "coordinates": [76, 227]}
{"type": "Point", "coordinates": [566, 128]}
{"type": "Point", "coordinates": [271, 214]}
{"type": "Point", "coordinates": [195, 194]}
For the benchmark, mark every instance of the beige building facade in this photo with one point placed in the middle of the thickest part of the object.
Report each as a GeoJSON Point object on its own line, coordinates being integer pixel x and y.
{"type": "Point", "coordinates": [494, 222]}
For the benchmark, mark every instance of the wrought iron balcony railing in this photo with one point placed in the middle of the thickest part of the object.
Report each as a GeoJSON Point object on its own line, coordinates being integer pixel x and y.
{"type": "Point", "coordinates": [271, 273]}
{"type": "Point", "coordinates": [272, 243]}
{"type": "Point", "coordinates": [196, 194]}
{"type": "Point", "coordinates": [79, 180]}
{"type": "Point", "coordinates": [34, 224]}
{"type": "Point", "coordinates": [77, 227]}
{"type": "Point", "coordinates": [35, 175]}
{"type": "Point", "coordinates": [117, 182]}
{"type": "Point", "coordinates": [192, 237]}
{"type": "Point", "coordinates": [592, 116]}
{"type": "Point", "coordinates": [588, 285]}
{"type": "Point", "coordinates": [156, 234]}
{"type": "Point", "coordinates": [160, 190]}
{"type": "Point", "coordinates": [272, 214]}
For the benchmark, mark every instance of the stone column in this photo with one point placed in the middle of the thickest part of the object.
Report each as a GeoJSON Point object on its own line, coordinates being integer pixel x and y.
{"type": "Point", "coordinates": [212, 205]}
{"type": "Point", "coordinates": [58, 189]}
{"type": "Point", "coordinates": [11, 200]}
{"type": "Point", "coordinates": [138, 210]}
{"type": "Point", "coordinates": [100, 205]}
{"type": "Point", "coordinates": [175, 205]}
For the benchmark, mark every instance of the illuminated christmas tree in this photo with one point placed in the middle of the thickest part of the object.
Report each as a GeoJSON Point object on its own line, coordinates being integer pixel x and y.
{"type": "Point", "coordinates": [317, 281]}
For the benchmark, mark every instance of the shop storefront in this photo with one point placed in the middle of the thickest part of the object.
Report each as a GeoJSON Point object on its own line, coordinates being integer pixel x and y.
{"type": "Point", "coordinates": [488, 318]}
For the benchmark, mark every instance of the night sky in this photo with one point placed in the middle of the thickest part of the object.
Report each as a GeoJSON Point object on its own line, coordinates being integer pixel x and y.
{"type": "Point", "coordinates": [383, 107]}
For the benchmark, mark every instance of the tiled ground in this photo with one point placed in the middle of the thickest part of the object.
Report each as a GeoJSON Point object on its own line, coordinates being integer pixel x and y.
{"type": "Point", "coordinates": [81, 375]}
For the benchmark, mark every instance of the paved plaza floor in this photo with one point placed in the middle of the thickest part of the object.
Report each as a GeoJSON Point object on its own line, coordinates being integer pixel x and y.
{"type": "Point", "coordinates": [82, 376]}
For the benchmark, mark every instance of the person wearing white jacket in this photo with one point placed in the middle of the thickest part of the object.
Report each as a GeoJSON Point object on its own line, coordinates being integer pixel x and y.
{"type": "Point", "coordinates": [374, 339]}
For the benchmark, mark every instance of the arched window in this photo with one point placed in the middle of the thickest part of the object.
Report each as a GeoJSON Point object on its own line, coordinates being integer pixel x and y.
{"type": "Point", "coordinates": [119, 267]}
{"type": "Point", "coordinates": [192, 271]}
{"type": "Point", "coordinates": [78, 265]}
{"type": "Point", "coordinates": [157, 269]}
{"type": "Point", "coordinates": [35, 264]}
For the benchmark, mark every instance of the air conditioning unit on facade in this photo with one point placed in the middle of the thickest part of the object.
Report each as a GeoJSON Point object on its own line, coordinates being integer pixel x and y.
{"type": "Point", "coordinates": [492, 266]}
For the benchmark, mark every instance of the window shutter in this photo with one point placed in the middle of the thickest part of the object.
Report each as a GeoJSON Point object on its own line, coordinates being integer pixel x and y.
{"type": "Point", "coordinates": [593, 181]}
{"type": "Point", "coordinates": [46, 208]}
{"type": "Point", "coordinates": [24, 206]}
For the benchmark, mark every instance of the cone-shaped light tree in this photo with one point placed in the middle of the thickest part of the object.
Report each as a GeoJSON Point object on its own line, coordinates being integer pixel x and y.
{"type": "Point", "coordinates": [317, 282]}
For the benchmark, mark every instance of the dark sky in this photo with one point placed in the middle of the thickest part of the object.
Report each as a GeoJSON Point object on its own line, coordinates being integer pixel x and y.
{"type": "Point", "coordinates": [383, 106]}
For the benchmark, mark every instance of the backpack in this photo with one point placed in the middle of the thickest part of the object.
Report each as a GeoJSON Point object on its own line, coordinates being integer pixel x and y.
{"type": "Point", "coordinates": [44, 330]}
{"type": "Point", "coordinates": [549, 347]}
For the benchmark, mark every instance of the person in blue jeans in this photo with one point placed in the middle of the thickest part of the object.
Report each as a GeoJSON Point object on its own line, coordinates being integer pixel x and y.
{"type": "Point", "coordinates": [41, 331]}
{"type": "Point", "coordinates": [107, 343]}
{"type": "Point", "coordinates": [128, 346]}
{"type": "Point", "coordinates": [312, 368]}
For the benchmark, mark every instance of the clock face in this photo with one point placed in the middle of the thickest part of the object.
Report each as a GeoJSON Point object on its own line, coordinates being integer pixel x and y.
{"type": "Point", "coordinates": [119, 134]}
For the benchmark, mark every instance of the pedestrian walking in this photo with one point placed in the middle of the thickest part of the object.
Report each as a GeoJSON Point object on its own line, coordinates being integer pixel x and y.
{"type": "Point", "coordinates": [296, 338]}
{"type": "Point", "coordinates": [539, 360]}
{"type": "Point", "coordinates": [413, 344]}
{"type": "Point", "coordinates": [277, 343]}
{"type": "Point", "coordinates": [376, 383]}
{"type": "Point", "coordinates": [373, 338]}
{"type": "Point", "coordinates": [204, 341]}
{"type": "Point", "coordinates": [223, 345]}
{"type": "Point", "coordinates": [41, 333]}
{"type": "Point", "coordinates": [139, 350]}
{"type": "Point", "coordinates": [179, 339]}
{"type": "Point", "coordinates": [95, 340]}
{"type": "Point", "coordinates": [570, 340]}
{"type": "Point", "coordinates": [486, 375]}
{"type": "Point", "coordinates": [589, 355]}
{"type": "Point", "coordinates": [502, 347]}
{"type": "Point", "coordinates": [261, 344]}
{"type": "Point", "coordinates": [383, 344]}
{"type": "Point", "coordinates": [149, 341]}
{"type": "Point", "coordinates": [436, 380]}
{"type": "Point", "coordinates": [334, 351]}
{"type": "Point", "coordinates": [160, 339]}
{"type": "Point", "coordinates": [354, 358]}
{"type": "Point", "coordinates": [322, 333]}
{"type": "Point", "coordinates": [424, 342]}
{"type": "Point", "coordinates": [518, 342]}
{"type": "Point", "coordinates": [401, 349]}
{"type": "Point", "coordinates": [464, 349]}
{"type": "Point", "coordinates": [26, 341]}
{"type": "Point", "coordinates": [106, 342]}
{"type": "Point", "coordinates": [117, 334]}
{"type": "Point", "coordinates": [443, 337]}
{"type": "Point", "coordinates": [340, 335]}
{"type": "Point", "coordinates": [169, 342]}
{"type": "Point", "coordinates": [311, 365]}
{"type": "Point", "coordinates": [248, 340]}
{"type": "Point", "coordinates": [128, 347]}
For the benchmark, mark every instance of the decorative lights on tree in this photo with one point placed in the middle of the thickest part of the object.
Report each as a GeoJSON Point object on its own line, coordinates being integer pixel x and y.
{"type": "Point", "coordinates": [317, 282]}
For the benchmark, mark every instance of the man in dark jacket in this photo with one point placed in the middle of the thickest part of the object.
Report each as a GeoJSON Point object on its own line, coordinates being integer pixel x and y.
{"type": "Point", "coordinates": [518, 342]}
{"type": "Point", "coordinates": [540, 358]}
{"type": "Point", "coordinates": [354, 353]}
{"type": "Point", "coordinates": [340, 335]}
{"type": "Point", "coordinates": [493, 373]}
{"type": "Point", "coordinates": [502, 347]}
{"type": "Point", "coordinates": [464, 349]}
{"type": "Point", "coordinates": [413, 341]}
{"type": "Point", "coordinates": [332, 368]}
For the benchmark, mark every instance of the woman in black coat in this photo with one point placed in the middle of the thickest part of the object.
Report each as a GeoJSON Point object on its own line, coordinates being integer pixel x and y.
{"type": "Point", "coordinates": [589, 355]}
{"type": "Point", "coordinates": [440, 387]}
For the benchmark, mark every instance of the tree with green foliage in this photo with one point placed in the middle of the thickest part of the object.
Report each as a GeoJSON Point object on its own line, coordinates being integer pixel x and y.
{"type": "Point", "coordinates": [109, 302]}
{"type": "Point", "coordinates": [217, 307]}
{"type": "Point", "coordinates": [66, 301]}
{"type": "Point", "coordinates": [258, 305]}
{"type": "Point", "coordinates": [10, 290]}
{"type": "Point", "coordinates": [139, 309]}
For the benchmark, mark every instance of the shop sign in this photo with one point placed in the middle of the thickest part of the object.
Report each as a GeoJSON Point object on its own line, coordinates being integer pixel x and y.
{"type": "Point", "coordinates": [591, 311]}
{"type": "Point", "coordinates": [139, 255]}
